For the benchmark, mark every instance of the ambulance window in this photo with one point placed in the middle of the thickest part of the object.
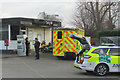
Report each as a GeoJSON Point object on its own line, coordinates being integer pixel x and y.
{"type": "Point", "coordinates": [59, 34]}
{"type": "Point", "coordinates": [102, 51]}
{"type": "Point", "coordinates": [114, 51]}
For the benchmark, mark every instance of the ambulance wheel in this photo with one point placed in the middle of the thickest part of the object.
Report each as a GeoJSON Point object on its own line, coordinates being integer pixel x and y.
{"type": "Point", "coordinates": [101, 70]}
{"type": "Point", "coordinates": [60, 57]}
{"type": "Point", "coordinates": [69, 56]}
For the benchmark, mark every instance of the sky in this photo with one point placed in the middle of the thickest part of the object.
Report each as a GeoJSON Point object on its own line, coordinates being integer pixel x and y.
{"type": "Point", "coordinates": [31, 8]}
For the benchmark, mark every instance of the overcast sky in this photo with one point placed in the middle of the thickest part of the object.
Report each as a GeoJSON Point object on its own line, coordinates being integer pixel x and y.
{"type": "Point", "coordinates": [31, 8]}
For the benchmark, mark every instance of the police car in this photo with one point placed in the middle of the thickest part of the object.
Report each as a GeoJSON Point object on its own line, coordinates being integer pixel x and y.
{"type": "Point", "coordinates": [99, 59]}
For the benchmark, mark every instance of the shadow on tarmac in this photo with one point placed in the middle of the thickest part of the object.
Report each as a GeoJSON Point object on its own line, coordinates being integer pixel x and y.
{"type": "Point", "coordinates": [112, 74]}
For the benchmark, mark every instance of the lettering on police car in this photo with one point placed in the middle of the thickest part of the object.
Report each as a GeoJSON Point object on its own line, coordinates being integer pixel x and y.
{"type": "Point", "coordinates": [116, 65]}
{"type": "Point", "coordinates": [104, 58]}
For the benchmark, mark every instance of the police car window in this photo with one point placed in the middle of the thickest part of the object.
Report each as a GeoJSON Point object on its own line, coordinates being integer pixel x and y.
{"type": "Point", "coordinates": [96, 51]}
{"type": "Point", "coordinates": [102, 51]}
{"type": "Point", "coordinates": [114, 51]}
{"type": "Point", "coordinates": [59, 34]}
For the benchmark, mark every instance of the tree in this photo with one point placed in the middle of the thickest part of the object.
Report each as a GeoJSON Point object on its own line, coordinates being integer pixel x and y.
{"type": "Point", "coordinates": [93, 16]}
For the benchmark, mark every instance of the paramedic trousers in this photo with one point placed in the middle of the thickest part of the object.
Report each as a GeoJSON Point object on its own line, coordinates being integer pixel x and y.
{"type": "Point", "coordinates": [37, 53]}
{"type": "Point", "coordinates": [27, 51]}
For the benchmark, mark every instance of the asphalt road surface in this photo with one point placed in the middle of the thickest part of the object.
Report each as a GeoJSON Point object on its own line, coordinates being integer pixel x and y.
{"type": "Point", "coordinates": [47, 66]}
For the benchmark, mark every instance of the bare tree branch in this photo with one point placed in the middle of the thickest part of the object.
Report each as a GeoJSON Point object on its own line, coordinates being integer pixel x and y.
{"type": "Point", "coordinates": [94, 16]}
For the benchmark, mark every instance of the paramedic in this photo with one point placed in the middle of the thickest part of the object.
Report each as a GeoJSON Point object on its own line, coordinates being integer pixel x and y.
{"type": "Point", "coordinates": [27, 43]}
{"type": "Point", "coordinates": [37, 45]}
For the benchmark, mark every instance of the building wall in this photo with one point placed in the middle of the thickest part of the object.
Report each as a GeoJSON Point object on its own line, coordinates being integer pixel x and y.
{"type": "Point", "coordinates": [12, 45]}
{"type": "Point", "coordinates": [35, 32]}
{"type": "Point", "coordinates": [17, 24]}
{"type": "Point", "coordinates": [32, 34]}
{"type": "Point", "coordinates": [48, 35]}
{"type": "Point", "coordinates": [39, 33]}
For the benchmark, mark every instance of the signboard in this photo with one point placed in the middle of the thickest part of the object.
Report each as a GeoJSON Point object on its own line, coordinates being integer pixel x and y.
{"type": "Point", "coordinates": [6, 42]}
{"type": "Point", "coordinates": [26, 22]}
{"type": "Point", "coordinates": [21, 45]}
{"type": "Point", "coordinates": [53, 23]}
{"type": "Point", "coordinates": [47, 23]}
{"type": "Point", "coordinates": [30, 35]}
{"type": "Point", "coordinates": [20, 37]}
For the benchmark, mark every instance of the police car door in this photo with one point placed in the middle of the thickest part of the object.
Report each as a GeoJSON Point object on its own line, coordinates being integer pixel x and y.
{"type": "Point", "coordinates": [115, 59]}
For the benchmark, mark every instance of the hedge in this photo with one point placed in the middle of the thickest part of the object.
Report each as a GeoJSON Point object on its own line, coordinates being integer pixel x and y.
{"type": "Point", "coordinates": [108, 33]}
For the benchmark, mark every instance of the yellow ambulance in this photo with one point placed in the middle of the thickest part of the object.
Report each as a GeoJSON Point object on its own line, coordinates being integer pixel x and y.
{"type": "Point", "coordinates": [63, 45]}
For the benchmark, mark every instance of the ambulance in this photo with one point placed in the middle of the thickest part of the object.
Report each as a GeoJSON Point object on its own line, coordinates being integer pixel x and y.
{"type": "Point", "coordinates": [99, 59]}
{"type": "Point", "coordinates": [63, 45]}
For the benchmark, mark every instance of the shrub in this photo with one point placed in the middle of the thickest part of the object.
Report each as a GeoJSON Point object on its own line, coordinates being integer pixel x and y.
{"type": "Point", "coordinates": [108, 33]}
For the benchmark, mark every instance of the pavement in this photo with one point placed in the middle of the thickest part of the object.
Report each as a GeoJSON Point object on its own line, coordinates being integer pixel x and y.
{"type": "Point", "coordinates": [48, 66]}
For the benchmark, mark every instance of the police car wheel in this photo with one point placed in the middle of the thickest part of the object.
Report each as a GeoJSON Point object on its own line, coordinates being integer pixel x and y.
{"type": "Point", "coordinates": [101, 70]}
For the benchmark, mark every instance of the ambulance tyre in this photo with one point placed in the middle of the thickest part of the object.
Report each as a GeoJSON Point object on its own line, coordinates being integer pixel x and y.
{"type": "Point", "coordinates": [60, 57]}
{"type": "Point", "coordinates": [69, 56]}
{"type": "Point", "coordinates": [101, 70]}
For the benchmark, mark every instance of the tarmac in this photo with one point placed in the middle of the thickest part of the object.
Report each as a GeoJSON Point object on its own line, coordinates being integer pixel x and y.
{"type": "Point", "coordinates": [48, 66]}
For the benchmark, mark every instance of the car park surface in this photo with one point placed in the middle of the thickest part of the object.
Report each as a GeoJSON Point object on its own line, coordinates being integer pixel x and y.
{"type": "Point", "coordinates": [48, 66]}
